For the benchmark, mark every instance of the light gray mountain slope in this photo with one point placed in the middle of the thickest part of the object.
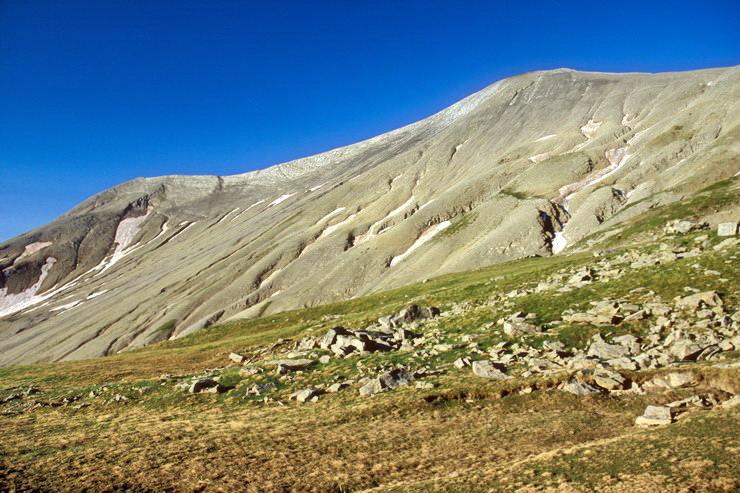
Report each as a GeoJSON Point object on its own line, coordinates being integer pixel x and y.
{"type": "Point", "coordinates": [527, 166]}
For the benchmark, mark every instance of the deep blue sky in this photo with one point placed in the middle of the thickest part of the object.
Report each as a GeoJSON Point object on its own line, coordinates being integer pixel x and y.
{"type": "Point", "coordinates": [95, 93]}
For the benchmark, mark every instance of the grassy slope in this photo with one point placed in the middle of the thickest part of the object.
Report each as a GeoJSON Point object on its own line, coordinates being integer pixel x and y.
{"type": "Point", "coordinates": [467, 433]}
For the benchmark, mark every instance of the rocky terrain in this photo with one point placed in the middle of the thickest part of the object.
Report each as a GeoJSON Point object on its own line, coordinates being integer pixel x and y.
{"type": "Point", "coordinates": [537, 165]}
{"type": "Point", "coordinates": [604, 370]}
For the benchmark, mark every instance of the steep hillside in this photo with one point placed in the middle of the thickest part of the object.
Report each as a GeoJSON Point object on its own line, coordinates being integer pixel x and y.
{"type": "Point", "coordinates": [529, 166]}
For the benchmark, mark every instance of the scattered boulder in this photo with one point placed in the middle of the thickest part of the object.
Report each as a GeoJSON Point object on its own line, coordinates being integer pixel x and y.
{"type": "Point", "coordinates": [307, 395]}
{"type": "Point", "coordinates": [680, 226]}
{"type": "Point", "coordinates": [330, 338]}
{"type": "Point", "coordinates": [462, 362]}
{"type": "Point", "coordinates": [260, 388]}
{"type": "Point", "coordinates": [609, 380]}
{"type": "Point", "coordinates": [207, 385]}
{"type": "Point", "coordinates": [672, 381]}
{"type": "Point", "coordinates": [578, 388]}
{"type": "Point", "coordinates": [655, 416]}
{"type": "Point", "coordinates": [606, 351]}
{"type": "Point", "coordinates": [410, 314]}
{"type": "Point", "coordinates": [699, 300]}
{"type": "Point", "coordinates": [290, 365]}
{"type": "Point", "coordinates": [487, 369]}
{"type": "Point", "coordinates": [237, 358]}
{"type": "Point", "coordinates": [387, 381]}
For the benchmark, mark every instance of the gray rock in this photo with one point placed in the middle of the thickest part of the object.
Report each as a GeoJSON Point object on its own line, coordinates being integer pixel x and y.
{"type": "Point", "coordinates": [296, 364]}
{"type": "Point", "coordinates": [655, 416]}
{"type": "Point", "coordinates": [578, 388]}
{"type": "Point", "coordinates": [324, 359]}
{"type": "Point", "coordinates": [307, 395]}
{"type": "Point", "coordinates": [206, 385]}
{"type": "Point", "coordinates": [237, 358]}
{"type": "Point", "coordinates": [249, 370]}
{"type": "Point", "coordinates": [486, 369]}
{"type": "Point", "coordinates": [685, 350]}
{"type": "Point", "coordinates": [259, 388]}
{"type": "Point", "coordinates": [609, 380]}
{"type": "Point", "coordinates": [698, 300]}
{"type": "Point", "coordinates": [330, 338]}
{"type": "Point", "coordinates": [337, 387]}
{"type": "Point", "coordinates": [518, 329]}
{"type": "Point", "coordinates": [727, 229]}
{"type": "Point", "coordinates": [608, 351]}
{"type": "Point", "coordinates": [410, 314]}
{"type": "Point", "coordinates": [387, 381]}
{"type": "Point", "coordinates": [675, 380]}
{"type": "Point", "coordinates": [462, 362]}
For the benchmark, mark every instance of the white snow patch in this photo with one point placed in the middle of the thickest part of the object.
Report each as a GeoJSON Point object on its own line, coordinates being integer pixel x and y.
{"type": "Point", "coordinates": [709, 84]}
{"type": "Point", "coordinates": [538, 158]}
{"type": "Point", "coordinates": [545, 137]}
{"type": "Point", "coordinates": [254, 205]}
{"type": "Point", "coordinates": [420, 208]}
{"type": "Point", "coordinates": [125, 234]}
{"type": "Point", "coordinates": [12, 303]}
{"type": "Point", "coordinates": [67, 306]}
{"type": "Point", "coordinates": [270, 277]}
{"type": "Point", "coordinates": [96, 294]}
{"type": "Point", "coordinates": [227, 215]}
{"type": "Point", "coordinates": [373, 229]}
{"type": "Point", "coordinates": [330, 215]}
{"type": "Point", "coordinates": [280, 199]}
{"type": "Point", "coordinates": [31, 249]}
{"type": "Point", "coordinates": [335, 227]}
{"type": "Point", "coordinates": [617, 158]}
{"type": "Point", "coordinates": [588, 131]}
{"type": "Point", "coordinates": [313, 189]}
{"type": "Point", "coordinates": [425, 236]}
{"type": "Point", "coordinates": [559, 243]}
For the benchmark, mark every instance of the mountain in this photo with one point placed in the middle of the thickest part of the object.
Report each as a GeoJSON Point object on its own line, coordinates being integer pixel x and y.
{"type": "Point", "coordinates": [532, 165]}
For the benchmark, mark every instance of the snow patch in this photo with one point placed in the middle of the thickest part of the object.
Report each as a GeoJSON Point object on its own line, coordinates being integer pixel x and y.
{"type": "Point", "coordinates": [538, 158]}
{"type": "Point", "coordinates": [588, 131]}
{"type": "Point", "coordinates": [313, 189]}
{"type": "Point", "coordinates": [96, 294]}
{"type": "Point", "coordinates": [617, 158]}
{"type": "Point", "coordinates": [330, 215]}
{"type": "Point", "coordinates": [559, 243]}
{"type": "Point", "coordinates": [373, 229]}
{"type": "Point", "coordinates": [66, 307]}
{"type": "Point", "coordinates": [425, 236]}
{"type": "Point", "coordinates": [280, 199]}
{"type": "Point", "coordinates": [227, 215]}
{"type": "Point", "coordinates": [335, 227]}
{"type": "Point", "coordinates": [125, 234]}
{"type": "Point", "coordinates": [420, 208]}
{"type": "Point", "coordinates": [545, 137]}
{"type": "Point", "coordinates": [12, 303]}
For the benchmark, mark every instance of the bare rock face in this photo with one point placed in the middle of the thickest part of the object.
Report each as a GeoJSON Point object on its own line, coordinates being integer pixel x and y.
{"type": "Point", "coordinates": [528, 166]}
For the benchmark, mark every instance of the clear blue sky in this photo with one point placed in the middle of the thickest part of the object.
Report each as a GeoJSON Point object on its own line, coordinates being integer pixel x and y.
{"type": "Point", "coordinates": [95, 93]}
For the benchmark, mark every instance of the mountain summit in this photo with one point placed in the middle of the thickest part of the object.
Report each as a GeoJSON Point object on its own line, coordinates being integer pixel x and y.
{"type": "Point", "coordinates": [532, 165]}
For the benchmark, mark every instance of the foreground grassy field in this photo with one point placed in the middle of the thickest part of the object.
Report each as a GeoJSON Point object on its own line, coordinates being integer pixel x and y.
{"type": "Point", "coordinates": [127, 422]}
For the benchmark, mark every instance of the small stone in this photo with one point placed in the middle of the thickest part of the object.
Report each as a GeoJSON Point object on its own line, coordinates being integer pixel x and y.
{"type": "Point", "coordinates": [324, 359]}
{"type": "Point", "coordinates": [462, 362]}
